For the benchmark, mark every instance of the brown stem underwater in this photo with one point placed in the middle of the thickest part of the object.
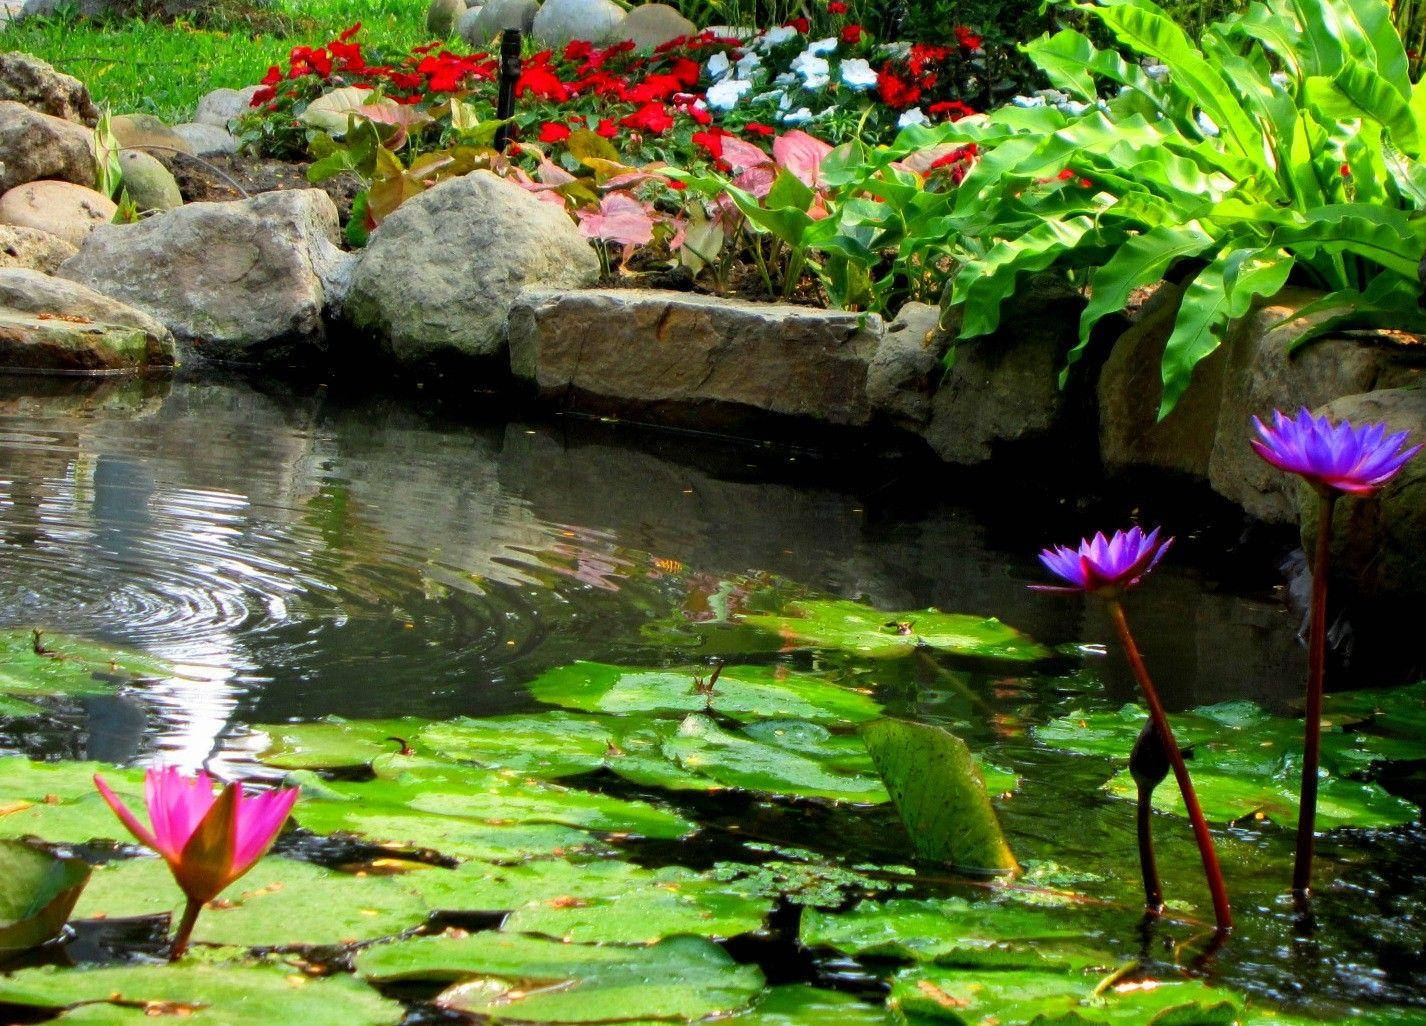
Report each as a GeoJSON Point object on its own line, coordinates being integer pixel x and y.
{"type": "Point", "coordinates": [1316, 673]}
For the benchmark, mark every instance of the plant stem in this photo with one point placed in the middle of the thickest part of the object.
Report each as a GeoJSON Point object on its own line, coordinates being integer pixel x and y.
{"type": "Point", "coordinates": [1148, 867]}
{"type": "Point", "coordinates": [1316, 671]}
{"type": "Point", "coordinates": [1222, 914]}
{"type": "Point", "coordinates": [185, 929]}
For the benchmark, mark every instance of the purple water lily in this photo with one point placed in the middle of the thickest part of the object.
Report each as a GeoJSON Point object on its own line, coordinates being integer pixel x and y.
{"type": "Point", "coordinates": [1101, 564]}
{"type": "Point", "coordinates": [1339, 456]}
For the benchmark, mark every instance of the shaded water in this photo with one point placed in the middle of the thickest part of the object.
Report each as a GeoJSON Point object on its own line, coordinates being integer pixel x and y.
{"type": "Point", "coordinates": [302, 555]}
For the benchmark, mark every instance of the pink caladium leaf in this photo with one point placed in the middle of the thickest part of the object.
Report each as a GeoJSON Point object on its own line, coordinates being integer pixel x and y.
{"type": "Point", "coordinates": [801, 154]}
{"type": "Point", "coordinates": [757, 181]}
{"type": "Point", "coordinates": [742, 155]}
{"type": "Point", "coordinates": [620, 218]}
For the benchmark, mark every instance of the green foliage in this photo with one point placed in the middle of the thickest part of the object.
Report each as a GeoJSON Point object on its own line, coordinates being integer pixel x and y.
{"type": "Point", "coordinates": [37, 892]}
{"type": "Point", "coordinates": [39, 663]}
{"type": "Point", "coordinates": [1284, 142]}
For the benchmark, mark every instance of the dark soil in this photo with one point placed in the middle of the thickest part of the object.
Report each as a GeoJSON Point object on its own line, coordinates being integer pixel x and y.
{"type": "Point", "coordinates": [218, 178]}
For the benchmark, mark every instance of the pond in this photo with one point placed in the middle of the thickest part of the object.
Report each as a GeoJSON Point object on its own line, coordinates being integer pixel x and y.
{"type": "Point", "coordinates": [295, 556]}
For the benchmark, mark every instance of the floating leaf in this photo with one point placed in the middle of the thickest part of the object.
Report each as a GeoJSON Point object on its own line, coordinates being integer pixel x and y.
{"type": "Point", "coordinates": [56, 801]}
{"type": "Point", "coordinates": [550, 744]}
{"type": "Point", "coordinates": [260, 994]}
{"type": "Point", "coordinates": [853, 627]}
{"type": "Point", "coordinates": [940, 796]}
{"type": "Point", "coordinates": [37, 892]}
{"type": "Point", "coordinates": [532, 979]}
{"type": "Point", "coordinates": [281, 902]}
{"type": "Point", "coordinates": [335, 743]}
{"type": "Point", "coordinates": [800, 1005]}
{"type": "Point", "coordinates": [952, 931]}
{"type": "Point", "coordinates": [740, 692]}
{"type": "Point", "coordinates": [40, 664]}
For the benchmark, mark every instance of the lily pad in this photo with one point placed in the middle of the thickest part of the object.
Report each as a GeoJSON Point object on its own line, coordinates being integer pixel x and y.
{"type": "Point", "coordinates": [58, 664]}
{"type": "Point", "coordinates": [37, 892]}
{"type": "Point", "coordinates": [407, 831]}
{"type": "Point", "coordinates": [280, 903]}
{"type": "Point", "coordinates": [536, 980]}
{"type": "Point", "coordinates": [800, 1005]}
{"type": "Point", "coordinates": [260, 994]}
{"type": "Point", "coordinates": [1022, 998]}
{"type": "Point", "coordinates": [862, 630]}
{"type": "Point", "coordinates": [740, 692]}
{"type": "Point", "coordinates": [551, 744]}
{"type": "Point", "coordinates": [939, 794]}
{"type": "Point", "coordinates": [334, 743]}
{"type": "Point", "coordinates": [952, 931]}
{"type": "Point", "coordinates": [57, 802]}
{"type": "Point", "coordinates": [1397, 711]}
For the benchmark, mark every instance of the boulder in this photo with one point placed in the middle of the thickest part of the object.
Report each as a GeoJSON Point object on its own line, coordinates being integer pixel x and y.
{"type": "Point", "coordinates": [206, 140]}
{"type": "Point", "coordinates": [903, 375]}
{"type": "Point", "coordinates": [148, 183]}
{"type": "Point", "coordinates": [146, 132]}
{"type": "Point", "coordinates": [1260, 376]}
{"type": "Point", "coordinates": [54, 326]}
{"type": "Point", "coordinates": [35, 146]}
{"type": "Point", "coordinates": [61, 208]}
{"type": "Point", "coordinates": [220, 107]}
{"type": "Point", "coordinates": [33, 249]}
{"type": "Point", "coordinates": [439, 275]}
{"type": "Point", "coordinates": [11, 10]}
{"type": "Point", "coordinates": [241, 282]}
{"type": "Point", "coordinates": [686, 358]}
{"type": "Point", "coordinates": [651, 25]}
{"type": "Point", "coordinates": [560, 21]}
{"type": "Point", "coordinates": [27, 79]}
{"type": "Point", "coordinates": [83, 8]}
{"type": "Point", "coordinates": [1003, 389]}
{"type": "Point", "coordinates": [441, 17]}
{"type": "Point", "coordinates": [1378, 541]}
{"type": "Point", "coordinates": [479, 25]}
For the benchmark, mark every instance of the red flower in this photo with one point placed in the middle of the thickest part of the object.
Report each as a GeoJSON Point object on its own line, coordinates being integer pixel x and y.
{"type": "Point", "coordinates": [801, 25]}
{"type": "Point", "coordinates": [676, 185]}
{"type": "Point", "coordinates": [578, 50]}
{"type": "Point", "coordinates": [553, 132]}
{"type": "Point", "coordinates": [1085, 183]}
{"type": "Point", "coordinates": [653, 118]}
{"type": "Point", "coordinates": [712, 141]}
{"type": "Point", "coordinates": [348, 33]}
{"type": "Point", "coordinates": [924, 54]}
{"type": "Point", "coordinates": [1345, 171]}
{"type": "Point", "coordinates": [1065, 175]}
{"type": "Point", "coordinates": [953, 110]}
{"type": "Point", "coordinates": [538, 79]}
{"type": "Point", "coordinates": [894, 91]}
{"type": "Point", "coordinates": [273, 76]}
{"type": "Point", "coordinates": [607, 128]}
{"type": "Point", "coordinates": [264, 95]}
{"type": "Point", "coordinates": [836, 7]}
{"type": "Point", "coordinates": [686, 71]}
{"type": "Point", "coordinates": [968, 39]}
{"type": "Point", "coordinates": [758, 128]}
{"type": "Point", "coordinates": [852, 34]}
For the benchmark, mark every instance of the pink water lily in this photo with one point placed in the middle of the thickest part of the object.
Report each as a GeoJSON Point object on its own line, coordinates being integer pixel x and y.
{"type": "Point", "coordinates": [209, 839]}
{"type": "Point", "coordinates": [1103, 564]}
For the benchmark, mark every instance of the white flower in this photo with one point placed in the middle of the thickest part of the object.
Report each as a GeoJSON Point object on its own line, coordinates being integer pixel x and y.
{"type": "Point", "coordinates": [1206, 125]}
{"type": "Point", "coordinates": [914, 116]}
{"type": "Point", "coordinates": [725, 95]}
{"type": "Point", "coordinates": [784, 102]}
{"type": "Point", "coordinates": [800, 116]}
{"type": "Point", "coordinates": [770, 95]}
{"type": "Point", "coordinates": [822, 46]}
{"type": "Point", "coordinates": [815, 71]}
{"type": "Point", "coordinates": [749, 63]}
{"type": "Point", "coordinates": [1028, 102]}
{"type": "Point", "coordinates": [717, 66]}
{"type": "Point", "coordinates": [858, 74]}
{"type": "Point", "coordinates": [787, 78]}
{"type": "Point", "coordinates": [775, 37]}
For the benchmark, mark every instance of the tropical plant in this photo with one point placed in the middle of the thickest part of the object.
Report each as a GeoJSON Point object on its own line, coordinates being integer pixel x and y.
{"type": "Point", "coordinates": [1285, 144]}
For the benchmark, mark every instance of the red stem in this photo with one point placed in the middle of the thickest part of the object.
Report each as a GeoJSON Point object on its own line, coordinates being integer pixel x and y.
{"type": "Point", "coordinates": [185, 929]}
{"type": "Point", "coordinates": [1148, 867]}
{"type": "Point", "coordinates": [1316, 673]}
{"type": "Point", "coordinates": [1216, 887]}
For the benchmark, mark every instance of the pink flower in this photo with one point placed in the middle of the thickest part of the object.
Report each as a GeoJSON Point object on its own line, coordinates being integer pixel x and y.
{"type": "Point", "coordinates": [1102, 564]}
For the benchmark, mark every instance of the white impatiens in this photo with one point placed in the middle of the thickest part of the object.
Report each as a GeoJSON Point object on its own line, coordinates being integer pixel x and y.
{"type": "Point", "coordinates": [822, 47]}
{"type": "Point", "coordinates": [800, 116]}
{"type": "Point", "coordinates": [718, 66]}
{"type": "Point", "coordinates": [858, 74]}
{"type": "Point", "coordinates": [914, 116]}
{"type": "Point", "coordinates": [775, 37]}
{"type": "Point", "coordinates": [749, 63]}
{"type": "Point", "coordinates": [725, 95]}
{"type": "Point", "coordinates": [815, 71]}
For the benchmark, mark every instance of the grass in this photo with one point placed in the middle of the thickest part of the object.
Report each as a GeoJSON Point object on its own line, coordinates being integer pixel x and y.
{"type": "Point", "coordinates": [137, 66]}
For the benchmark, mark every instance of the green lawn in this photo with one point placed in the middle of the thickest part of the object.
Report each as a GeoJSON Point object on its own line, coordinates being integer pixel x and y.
{"type": "Point", "coordinates": [164, 69]}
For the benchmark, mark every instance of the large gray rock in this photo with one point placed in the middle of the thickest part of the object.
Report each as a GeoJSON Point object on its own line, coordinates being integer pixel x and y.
{"type": "Point", "coordinates": [150, 185]}
{"type": "Point", "coordinates": [560, 21]}
{"type": "Point", "coordinates": [83, 8]}
{"type": "Point", "coordinates": [27, 79]}
{"type": "Point", "coordinates": [60, 208]}
{"type": "Point", "coordinates": [681, 357]}
{"type": "Point", "coordinates": [651, 25]}
{"type": "Point", "coordinates": [481, 24]}
{"type": "Point", "coordinates": [206, 140]}
{"type": "Point", "coordinates": [442, 15]}
{"type": "Point", "coordinates": [1261, 376]}
{"type": "Point", "coordinates": [221, 106]}
{"type": "Point", "coordinates": [1378, 541]}
{"type": "Point", "coordinates": [903, 375]}
{"type": "Point", "coordinates": [1003, 389]}
{"type": "Point", "coordinates": [439, 275]}
{"type": "Point", "coordinates": [146, 132]}
{"type": "Point", "coordinates": [35, 146]}
{"type": "Point", "coordinates": [53, 326]}
{"type": "Point", "coordinates": [32, 249]}
{"type": "Point", "coordinates": [240, 282]}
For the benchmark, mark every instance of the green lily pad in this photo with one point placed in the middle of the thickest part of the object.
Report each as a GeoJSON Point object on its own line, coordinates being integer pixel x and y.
{"type": "Point", "coordinates": [280, 903]}
{"type": "Point", "coordinates": [37, 892]}
{"type": "Point", "coordinates": [408, 831]}
{"type": "Point", "coordinates": [952, 931]}
{"type": "Point", "coordinates": [939, 794]}
{"type": "Point", "coordinates": [1399, 711]}
{"type": "Point", "coordinates": [59, 664]}
{"type": "Point", "coordinates": [740, 692]}
{"type": "Point", "coordinates": [260, 994]}
{"type": "Point", "coordinates": [57, 802]}
{"type": "Point", "coordinates": [862, 630]}
{"type": "Point", "coordinates": [1021, 998]}
{"type": "Point", "coordinates": [334, 743]}
{"type": "Point", "coordinates": [18, 708]}
{"type": "Point", "coordinates": [535, 980]}
{"type": "Point", "coordinates": [551, 744]}
{"type": "Point", "coordinates": [800, 1005]}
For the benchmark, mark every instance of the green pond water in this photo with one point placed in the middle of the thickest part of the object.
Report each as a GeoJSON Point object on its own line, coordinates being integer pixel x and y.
{"type": "Point", "coordinates": [609, 845]}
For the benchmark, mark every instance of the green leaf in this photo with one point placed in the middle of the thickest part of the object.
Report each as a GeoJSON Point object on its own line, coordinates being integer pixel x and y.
{"type": "Point", "coordinates": [940, 796]}
{"type": "Point", "coordinates": [37, 892]}
{"type": "Point", "coordinates": [335, 743]}
{"type": "Point", "coordinates": [740, 692]}
{"type": "Point", "coordinates": [1356, 91]}
{"type": "Point", "coordinates": [57, 801]}
{"type": "Point", "coordinates": [865, 631]}
{"type": "Point", "coordinates": [548, 744]}
{"type": "Point", "coordinates": [263, 994]}
{"type": "Point", "coordinates": [59, 664]}
{"type": "Point", "coordinates": [531, 979]}
{"type": "Point", "coordinates": [799, 1005]}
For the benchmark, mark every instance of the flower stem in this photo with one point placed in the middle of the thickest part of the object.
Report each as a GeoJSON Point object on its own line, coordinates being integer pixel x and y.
{"type": "Point", "coordinates": [185, 929]}
{"type": "Point", "coordinates": [1222, 914]}
{"type": "Point", "coordinates": [1148, 867]}
{"type": "Point", "coordinates": [1316, 672]}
